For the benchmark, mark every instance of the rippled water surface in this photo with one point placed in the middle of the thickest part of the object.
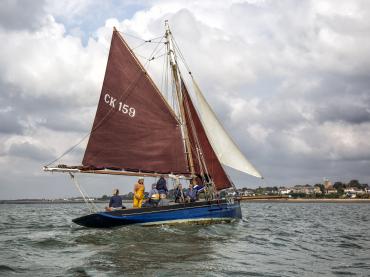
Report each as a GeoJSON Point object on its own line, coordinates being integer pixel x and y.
{"type": "Point", "coordinates": [273, 239]}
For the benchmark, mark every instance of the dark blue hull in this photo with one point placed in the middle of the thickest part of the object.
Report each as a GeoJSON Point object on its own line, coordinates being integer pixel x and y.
{"type": "Point", "coordinates": [199, 212]}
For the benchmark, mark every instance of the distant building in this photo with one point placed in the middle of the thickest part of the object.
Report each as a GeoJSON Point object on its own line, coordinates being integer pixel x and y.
{"type": "Point", "coordinates": [317, 190]}
{"type": "Point", "coordinates": [270, 191]}
{"type": "Point", "coordinates": [329, 189]}
{"type": "Point", "coordinates": [248, 192]}
{"type": "Point", "coordinates": [353, 192]}
{"type": "Point", "coordinates": [304, 189]}
{"type": "Point", "coordinates": [284, 191]}
{"type": "Point", "coordinates": [328, 184]}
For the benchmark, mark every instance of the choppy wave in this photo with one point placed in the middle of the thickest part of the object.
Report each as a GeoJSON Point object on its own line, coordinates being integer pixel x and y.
{"type": "Point", "coordinates": [271, 240]}
{"type": "Point", "coordinates": [5, 268]}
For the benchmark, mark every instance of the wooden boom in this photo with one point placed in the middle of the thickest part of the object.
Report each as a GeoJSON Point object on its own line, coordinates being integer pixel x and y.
{"type": "Point", "coordinates": [112, 172]}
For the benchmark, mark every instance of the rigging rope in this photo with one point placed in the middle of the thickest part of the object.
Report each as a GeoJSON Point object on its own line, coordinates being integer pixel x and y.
{"type": "Point", "coordinates": [158, 50]}
{"type": "Point", "coordinates": [163, 76]}
{"type": "Point", "coordinates": [181, 55]}
{"type": "Point", "coordinates": [139, 38]}
{"type": "Point", "coordinates": [141, 44]}
{"type": "Point", "coordinates": [151, 58]}
{"type": "Point", "coordinates": [88, 198]}
{"type": "Point", "coordinates": [90, 205]}
{"type": "Point", "coordinates": [166, 77]}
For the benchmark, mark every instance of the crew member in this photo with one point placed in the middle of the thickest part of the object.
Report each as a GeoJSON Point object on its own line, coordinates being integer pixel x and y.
{"type": "Point", "coordinates": [192, 194]}
{"type": "Point", "coordinates": [139, 193]}
{"type": "Point", "coordinates": [179, 194]}
{"type": "Point", "coordinates": [162, 187]}
{"type": "Point", "coordinates": [115, 202]}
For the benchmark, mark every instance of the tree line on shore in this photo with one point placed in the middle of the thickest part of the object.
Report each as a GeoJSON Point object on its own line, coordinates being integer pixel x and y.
{"type": "Point", "coordinates": [320, 190]}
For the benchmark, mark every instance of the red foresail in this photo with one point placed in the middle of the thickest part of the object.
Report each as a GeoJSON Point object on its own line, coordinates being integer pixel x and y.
{"type": "Point", "coordinates": [198, 138]}
{"type": "Point", "coordinates": [134, 128]}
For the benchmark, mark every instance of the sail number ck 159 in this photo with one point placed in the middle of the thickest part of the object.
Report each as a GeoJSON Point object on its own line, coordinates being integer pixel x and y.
{"type": "Point", "coordinates": [122, 107]}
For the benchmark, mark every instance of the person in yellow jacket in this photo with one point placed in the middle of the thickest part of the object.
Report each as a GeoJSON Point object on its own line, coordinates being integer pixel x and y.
{"type": "Point", "coordinates": [139, 193]}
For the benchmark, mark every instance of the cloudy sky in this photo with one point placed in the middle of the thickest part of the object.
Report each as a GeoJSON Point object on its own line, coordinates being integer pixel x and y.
{"type": "Point", "coordinates": [290, 81]}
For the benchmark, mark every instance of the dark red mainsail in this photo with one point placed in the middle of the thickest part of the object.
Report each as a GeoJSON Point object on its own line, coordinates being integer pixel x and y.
{"type": "Point", "coordinates": [134, 128]}
{"type": "Point", "coordinates": [198, 138]}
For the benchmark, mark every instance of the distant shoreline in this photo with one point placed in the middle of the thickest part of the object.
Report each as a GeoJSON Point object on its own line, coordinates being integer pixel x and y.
{"type": "Point", "coordinates": [303, 200]}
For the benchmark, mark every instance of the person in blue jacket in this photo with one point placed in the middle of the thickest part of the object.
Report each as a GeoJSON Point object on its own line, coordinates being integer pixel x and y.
{"type": "Point", "coordinates": [162, 186]}
{"type": "Point", "coordinates": [115, 201]}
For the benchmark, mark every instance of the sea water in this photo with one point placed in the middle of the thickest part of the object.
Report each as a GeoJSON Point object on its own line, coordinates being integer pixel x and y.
{"type": "Point", "coordinates": [272, 239]}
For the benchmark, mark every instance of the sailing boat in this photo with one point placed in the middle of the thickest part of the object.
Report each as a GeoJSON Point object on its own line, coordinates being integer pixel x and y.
{"type": "Point", "coordinates": [136, 132]}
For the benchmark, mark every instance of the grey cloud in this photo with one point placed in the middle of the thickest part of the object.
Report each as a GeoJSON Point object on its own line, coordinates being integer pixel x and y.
{"type": "Point", "coordinates": [347, 112]}
{"type": "Point", "coordinates": [66, 123]}
{"type": "Point", "coordinates": [28, 150]}
{"type": "Point", "coordinates": [342, 98]}
{"type": "Point", "coordinates": [56, 113]}
{"type": "Point", "coordinates": [21, 14]}
{"type": "Point", "coordinates": [9, 117]}
{"type": "Point", "coordinates": [10, 123]}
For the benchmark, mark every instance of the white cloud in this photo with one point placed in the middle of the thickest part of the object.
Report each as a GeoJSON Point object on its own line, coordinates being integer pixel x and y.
{"type": "Point", "coordinates": [48, 60]}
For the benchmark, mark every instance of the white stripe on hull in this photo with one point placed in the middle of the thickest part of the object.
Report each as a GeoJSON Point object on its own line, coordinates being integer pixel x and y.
{"type": "Point", "coordinates": [189, 221]}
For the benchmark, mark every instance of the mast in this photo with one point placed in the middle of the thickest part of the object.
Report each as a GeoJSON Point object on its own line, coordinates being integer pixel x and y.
{"type": "Point", "coordinates": [175, 73]}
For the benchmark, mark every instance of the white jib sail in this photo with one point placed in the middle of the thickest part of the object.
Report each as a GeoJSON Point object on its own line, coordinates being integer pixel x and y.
{"type": "Point", "coordinates": [226, 150]}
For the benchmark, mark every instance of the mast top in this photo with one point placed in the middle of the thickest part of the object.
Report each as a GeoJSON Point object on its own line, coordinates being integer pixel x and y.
{"type": "Point", "coordinates": [166, 25]}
